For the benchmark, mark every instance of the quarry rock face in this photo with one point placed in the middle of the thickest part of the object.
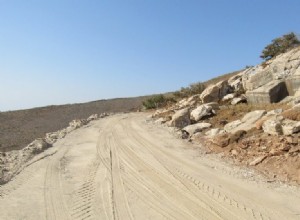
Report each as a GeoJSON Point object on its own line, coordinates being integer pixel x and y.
{"type": "Point", "coordinates": [273, 80]}
{"type": "Point", "coordinates": [272, 92]}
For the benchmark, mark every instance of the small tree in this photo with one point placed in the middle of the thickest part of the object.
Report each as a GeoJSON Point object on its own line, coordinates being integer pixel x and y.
{"type": "Point", "coordinates": [280, 45]}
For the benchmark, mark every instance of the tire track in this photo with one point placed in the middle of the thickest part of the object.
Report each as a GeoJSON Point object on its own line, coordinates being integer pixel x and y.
{"type": "Point", "coordinates": [210, 191]}
{"type": "Point", "coordinates": [122, 210]}
{"type": "Point", "coordinates": [83, 200]}
{"type": "Point", "coordinates": [53, 194]}
{"type": "Point", "coordinates": [159, 184]}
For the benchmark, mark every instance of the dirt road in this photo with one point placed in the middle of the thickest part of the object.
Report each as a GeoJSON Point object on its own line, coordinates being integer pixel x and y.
{"type": "Point", "coordinates": [121, 167]}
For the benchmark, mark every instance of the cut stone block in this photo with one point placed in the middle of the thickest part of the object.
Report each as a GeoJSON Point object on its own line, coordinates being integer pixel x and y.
{"type": "Point", "coordinates": [272, 92]}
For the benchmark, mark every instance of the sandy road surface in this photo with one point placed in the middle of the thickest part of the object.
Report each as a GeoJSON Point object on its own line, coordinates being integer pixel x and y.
{"type": "Point", "coordinates": [121, 167]}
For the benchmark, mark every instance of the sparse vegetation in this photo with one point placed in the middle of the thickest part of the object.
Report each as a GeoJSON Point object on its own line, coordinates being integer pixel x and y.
{"type": "Point", "coordinates": [198, 88]}
{"type": "Point", "coordinates": [235, 112]}
{"type": "Point", "coordinates": [280, 45]}
{"type": "Point", "coordinates": [19, 128]}
{"type": "Point", "coordinates": [157, 101]}
{"type": "Point", "coordinates": [193, 89]}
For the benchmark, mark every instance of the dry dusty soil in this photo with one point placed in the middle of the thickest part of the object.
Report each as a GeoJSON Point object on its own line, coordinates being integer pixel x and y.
{"type": "Point", "coordinates": [122, 167]}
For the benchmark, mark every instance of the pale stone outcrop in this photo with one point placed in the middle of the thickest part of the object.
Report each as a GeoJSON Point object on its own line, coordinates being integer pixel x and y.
{"type": "Point", "coordinates": [290, 127]}
{"type": "Point", "coordinates": [273, 80]}
{"type": "Point", "coordinates": [203, 111]}
{"type": "Point", "coordinates": [246, 123]}
{"type": "Point", "coordinates": [241, 99]}
{"type": "Point", "coordinates": [181, 118]}
{"type": "Point", "coordinates": [272, 126]}
{"type": "Point", "coordinates": [214, 131]}
{"type": "Point", "coordinates": [229, 97]}
{"type": "Point", "coordinates": [232, 125]}
{"type": "Point", "coordinates": [215, 92]}
{"type": "Point", "coordinates": [235, 82]}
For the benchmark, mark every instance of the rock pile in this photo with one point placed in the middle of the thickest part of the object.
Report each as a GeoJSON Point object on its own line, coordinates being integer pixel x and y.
{"type": "Point", "coordinates": [273, 81]}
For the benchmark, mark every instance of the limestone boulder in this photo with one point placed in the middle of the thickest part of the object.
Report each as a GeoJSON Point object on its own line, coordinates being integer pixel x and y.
{"type": "Point", "coordinates": [194, 128]}
{"type": "Point", "coordinates": [232, 125]}
{"type": "Point", "coordinates": [241, 99]}
{"type": "Point", "coordinates": [290, 127]}
{"type": "Point", "coordinates": [216, 92]}
{"type": "Point", "coordinates": [181, 118]}
{"type": "Point", "coordinates": [246, 123]}
{"type": "Point", "coordinates": [214, 131]}
{"type": "Point", "coordinates": [229, 97]}
{"type": "Point", "coordinates": [204, 111]}
{"type": "Point", "coordinates": [236, 83]}
{"type": "Point", "coordinates": [272, 126]}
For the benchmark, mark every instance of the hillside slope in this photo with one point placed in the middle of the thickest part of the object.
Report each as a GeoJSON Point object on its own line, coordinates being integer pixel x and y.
{"type": "Point", "coordinates": [19, 128]}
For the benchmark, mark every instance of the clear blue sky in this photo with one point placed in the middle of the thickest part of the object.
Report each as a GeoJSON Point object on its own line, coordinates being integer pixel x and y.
{"type": "Point", "coordinates": [67, 51]}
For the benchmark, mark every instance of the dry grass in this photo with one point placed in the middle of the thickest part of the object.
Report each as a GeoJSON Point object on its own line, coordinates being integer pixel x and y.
{"type": "Point", "coordinates": [234, 112]}
{"type": "Point", "coordinates": [221, 78]}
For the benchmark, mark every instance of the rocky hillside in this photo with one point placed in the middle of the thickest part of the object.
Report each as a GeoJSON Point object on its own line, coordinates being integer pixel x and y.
{"type": "Point", "coordinates": [252, 118]}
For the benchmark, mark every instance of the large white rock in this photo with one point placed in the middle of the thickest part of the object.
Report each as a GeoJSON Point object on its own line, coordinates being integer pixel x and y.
{"type": "Point", "coordinates": [253, 116]}
{"type": "Point", "coordinates": [246, 123]}
{"type": "Point", "coordinates": [290, 127]}
{"type": "Point", "coordinates": [238, 100]}
{"type": "Point", "coordinates": [181, 118]}
{"type": "Point", "coordinates": [229, 97]}
{"type": "Point", "coordinates": [235, 82]}
{"type": "Point", "coordinates": [272, 126]}
{"type": "Point", "coordinates": [192, 129]}
{"type": "Point", "coordinates": [215, 131]}
{"type": "Point", "coordinates": [203, 111]}
{"type": "Point", "coordinates": [229, 127]}
{"type": "Point", "coordinates": [215, 92]}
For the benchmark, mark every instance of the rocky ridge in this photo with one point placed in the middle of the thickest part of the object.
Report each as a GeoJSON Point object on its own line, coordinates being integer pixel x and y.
{"type": "Point", "coordinates": [266, 138]}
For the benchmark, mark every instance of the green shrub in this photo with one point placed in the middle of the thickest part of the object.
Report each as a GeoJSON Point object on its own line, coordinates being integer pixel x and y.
{"type": "Point", "coordinates": [157, 101]}
{"type": "Point", "coordinates": [193, 89]}
{"type": "Point", "coordinates": [280, 45]}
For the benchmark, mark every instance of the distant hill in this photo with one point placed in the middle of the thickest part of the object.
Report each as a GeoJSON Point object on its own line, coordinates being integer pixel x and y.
{"type": "Point", "coordinates": [19, 128]}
